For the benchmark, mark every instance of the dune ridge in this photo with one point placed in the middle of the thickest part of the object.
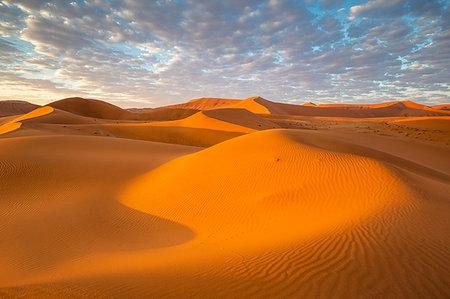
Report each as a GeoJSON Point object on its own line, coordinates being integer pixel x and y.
{"type": "Point", "coordinates": [17, 122]}
{"type": "Point", "coordinates": [225, 202]}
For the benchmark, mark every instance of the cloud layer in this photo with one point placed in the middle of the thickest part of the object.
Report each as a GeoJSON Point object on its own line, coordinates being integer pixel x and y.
{"type": "Point", "coordinates": [152, 53]}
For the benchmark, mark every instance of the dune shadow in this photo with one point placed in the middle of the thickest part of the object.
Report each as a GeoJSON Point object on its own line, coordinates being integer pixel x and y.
{"type": "Point", "coordinates": [87, 227]}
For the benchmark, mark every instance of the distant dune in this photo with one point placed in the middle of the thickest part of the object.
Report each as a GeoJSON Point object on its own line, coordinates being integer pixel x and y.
{"type": "Point", "coordinates": [205, 104]}
{"type": "Point", "coordinates": [262, 106]}
{"type": "Point", "coordinates": [442, 107]}
{"type": "Point", "coordinates": [104, 110]}
{"type": "Point", "coordinates": [220, 198]}
{"type": "Point", "coordinates": [8, 108]}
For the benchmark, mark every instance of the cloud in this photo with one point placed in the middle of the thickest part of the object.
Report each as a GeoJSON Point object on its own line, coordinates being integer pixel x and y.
{"type": "Point", "coordinates": [152, 53]}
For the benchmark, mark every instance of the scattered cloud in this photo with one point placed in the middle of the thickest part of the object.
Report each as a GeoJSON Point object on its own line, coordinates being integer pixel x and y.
{"type": "Point", "coordinates": [152, 53]}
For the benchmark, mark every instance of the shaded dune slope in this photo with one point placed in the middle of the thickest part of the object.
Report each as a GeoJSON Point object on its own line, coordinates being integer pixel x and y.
{"type": "Point", "coordinates": [72, 187]}
{"type": "Point", "coordinates": [391, 109]}
{"type": "Point", "coordinates": [260, 105]}
{"type": "Point", "coordinates": [91, 108]}
{"type": "Point", "coordinates": [103, 110]}
{"type": "Point", "coordinates": [204, 128]}
{"type": "Point", "coordinates": [205, 104]}
{"type": "Point", "coordinates": [8, 108]}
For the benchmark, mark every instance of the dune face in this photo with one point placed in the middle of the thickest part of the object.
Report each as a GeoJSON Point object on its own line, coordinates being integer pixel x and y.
{"type": "Point", "coordinates": [222, 198]}
{"type": "Point", "coordinates": [206, 104]}
{"type": "Point", "coordinates": [8, 108]}
{"type": "Point", "coordinates": [17, 122]}
{"type": "Point", "coordinates": [442, 107]}
{"type": "Point", "coordinates": [91, 108]}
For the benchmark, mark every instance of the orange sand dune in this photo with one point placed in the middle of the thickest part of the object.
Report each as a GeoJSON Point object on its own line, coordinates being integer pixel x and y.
{"type": "Point", "coordinates": [442, 107]}
{"type": "Point", "coordinates": [58, 202]}
{"type": "Point", "coordinates": [204, 128]}
{"type": "Point", "coordinates": [91, 108]}
{"type": "Point", "coordinates": [8, 108]}
{"type": "Point", "coordinates": [205, 104]}
{"type": "Point", "coordinates": [104, 110]}
{"type": "Point", "coordinates": [436, 123]}
{"type": "Point", "coordinates": [162, 114]}
{"type": "Point", "coordinates": [204, 121]}
{"type": "Point", "coordinates": [339, 210]}
{"type": "Point", "coordinates": [17, 122]}
{"type": "Point", "coordinates": [262, 106]}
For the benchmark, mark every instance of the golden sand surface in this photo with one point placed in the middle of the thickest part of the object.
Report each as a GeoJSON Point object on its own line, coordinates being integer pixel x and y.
{"type": "Point", "coordinates": [242, 199]}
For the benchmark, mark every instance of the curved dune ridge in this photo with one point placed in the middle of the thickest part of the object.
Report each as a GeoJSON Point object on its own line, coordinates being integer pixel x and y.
{"type": "Point", "coordinates": [292, 219]}
{"type": "Point", "coordinates": [204, 121]}
{"type": "Point", "coordinates": [273, 183]}
{"type": "Point", "coordinates": [205, 104]}
{"type": "Point", "coordinates": [17, 122]}
{"type": "Point", "coordinates": [91, 108]}
{"type": "Point", "coordinates": [205, 128]}
{"type": "Point", "coordinates": [313, 190]}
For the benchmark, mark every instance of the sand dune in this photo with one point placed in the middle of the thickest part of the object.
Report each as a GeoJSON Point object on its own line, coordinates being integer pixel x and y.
{"type": "Point", "coordinates": [8, 108]}
{"type": "Point", "coordinates": [205, 104]}
{"type": "Point", "coordinates": [442, 107]}
{"type": "Point", "coordinates": [260, 105]}
{"type": "Point", "coordinates": [162, 114]}
{"type": "Point", "coordinates": [103, 110]}
{"type": "Point", "coordinates": [204, 128]}
{"type": "Point", "coordinates": [91, 108]}
{"type": "Point", "coordinates": [437, 123]}
{"type": "Point", "coordinates": [17, 122]}
{"type": "Point", "coordinates": [352, 207]}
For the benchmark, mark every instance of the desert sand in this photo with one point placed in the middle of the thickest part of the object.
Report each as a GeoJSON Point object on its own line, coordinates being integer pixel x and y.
{"type": "Point", "coordinates": [224, 198]}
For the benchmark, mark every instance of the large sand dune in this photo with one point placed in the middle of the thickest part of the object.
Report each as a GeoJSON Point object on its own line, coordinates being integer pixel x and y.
{"type": "Point", "coordinates": [262, 106]}
{"type": "Point", "coordinates": [8, 108]}
{"type": "Point", "coordinates": [327, 207]}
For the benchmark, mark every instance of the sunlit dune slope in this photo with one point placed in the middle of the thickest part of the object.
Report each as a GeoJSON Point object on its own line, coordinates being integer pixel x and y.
{"type": "Point", "coordinates": [16, 107]}
{"type": "Point", "coordinates": [434, 123]}
{"type": "Point", "coordinates": [204, 121]}
{"type": "Point", "coordinates": [442, 107]}
{"type": "Point", "coordinates": [301, 219]}
{"type": "Point", "coordinates": [205, 104]}
{"type": "Point", "coordinates": [260, 106]}
{"type": "Point", "coordinates": [17, 122]}
{"type": "Point", "coordinates": [268, 183]}
{"type": "Point", "coordinates": [204, 128]}
{"type": "Point", "coordinates": [241, 117]}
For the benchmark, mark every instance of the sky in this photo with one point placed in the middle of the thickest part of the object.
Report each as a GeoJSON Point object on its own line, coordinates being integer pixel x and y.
{"type": "Point", "coordinates": [152, 53]}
